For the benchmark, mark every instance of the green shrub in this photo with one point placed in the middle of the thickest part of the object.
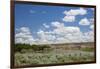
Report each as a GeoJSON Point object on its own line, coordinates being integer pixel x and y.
{"type": "Point", "coordinates": [26, 47]}
{"type": "Point", "coordinates": [87, 49]}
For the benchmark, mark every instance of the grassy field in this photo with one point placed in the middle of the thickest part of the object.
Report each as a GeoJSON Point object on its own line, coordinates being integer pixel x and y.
{"type": "Point", "coordinates": [27, 55]}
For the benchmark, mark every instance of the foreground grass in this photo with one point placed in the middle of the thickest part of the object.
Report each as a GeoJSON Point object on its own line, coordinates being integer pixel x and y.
{"type": "Point", "coordinates": [26, 54]}
{"type": "Point", "coordinates": [54, 57]}
{"type": "Point", "coordinates": [88, 49]}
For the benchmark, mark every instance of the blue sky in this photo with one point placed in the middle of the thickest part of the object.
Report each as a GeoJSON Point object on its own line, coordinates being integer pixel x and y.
{"type": "Point", "coordinates": [34, 16]}
{"type": "Point", "coordinates": [24, 16]}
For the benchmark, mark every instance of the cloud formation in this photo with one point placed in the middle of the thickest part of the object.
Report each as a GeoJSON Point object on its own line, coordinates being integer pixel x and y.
{"type": "Point", "coordinates": [63, 34]}
{"type": "Point", "coordinates": [84, 21]}
{"type": "Point", "coordinates": [71, 14]}
{"type": "Point", "coordinates": [24, 35]}
{"type": "Point", "coordinates": [74, 12]}
{"type": "Point", "coordinates": [92, 27]}
{"type": "Point", "coordinates": [58, 32]}
{"type": "Point", "coordinates": [45, 25]}
{"type": "Point", "coordinates": [68, 18]}
{"type": "Point", "coordinates": [57, 24]}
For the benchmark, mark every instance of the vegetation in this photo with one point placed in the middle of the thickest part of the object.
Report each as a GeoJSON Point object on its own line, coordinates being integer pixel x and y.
{"type": "Point", "coordinates": [23, 47]}
{"type": "Point", "coordinates": [26, 54]}
{"type": "Point", "coordinates": [88, 49]}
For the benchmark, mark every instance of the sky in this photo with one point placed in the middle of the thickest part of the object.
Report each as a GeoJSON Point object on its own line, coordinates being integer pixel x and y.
{"type": "Point", "coordinates": [41, 24]}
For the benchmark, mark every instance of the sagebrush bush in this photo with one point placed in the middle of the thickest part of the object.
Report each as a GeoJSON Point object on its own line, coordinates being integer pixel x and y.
{"type": "Point", "coordinates": [50, 58]}
{"type": "Point", "coordinates": [26, 54]}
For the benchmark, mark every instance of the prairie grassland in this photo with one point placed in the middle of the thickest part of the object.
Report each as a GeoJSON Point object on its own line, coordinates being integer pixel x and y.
{"type": "Point", "coordinates": [53, 56]}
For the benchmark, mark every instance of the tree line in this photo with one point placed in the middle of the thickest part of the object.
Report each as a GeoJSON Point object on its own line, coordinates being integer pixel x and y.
{"type": "Point", "coordinates": [20, 47]}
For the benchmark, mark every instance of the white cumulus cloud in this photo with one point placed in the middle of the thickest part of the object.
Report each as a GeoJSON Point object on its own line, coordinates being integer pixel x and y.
{"type": "Point", "coordinates": [57, 24]}
{"type": "Point", "coordinates": [24, 35]}
{"type": "Point", "coordinates": [59, 34]}
{"type": "Point", "coordinates": [84, 21]}
{"type": "Point", "coordinates": [45, 25]}
{"type": "Point", "coordinates": [74, 12]}
{"type": "Point", "coordinates": [70, 15]}
{"type": "Point", "coordinates": [92, 27]}
{"type": "Point", "coordinates": [64, 34]}
{"type": "Point", "coordinates": [68, 18]}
